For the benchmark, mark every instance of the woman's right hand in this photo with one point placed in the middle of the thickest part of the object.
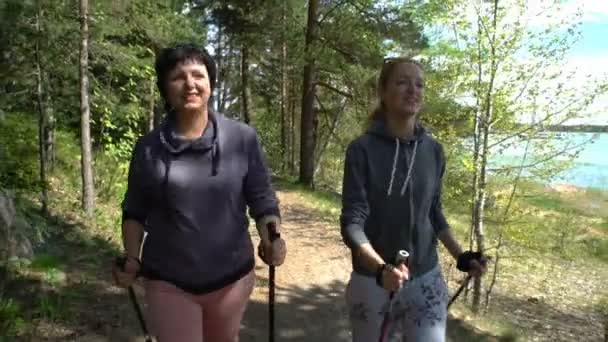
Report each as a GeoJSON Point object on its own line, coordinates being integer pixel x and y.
{"type": "Point", "coordinates": [125, 275]}
{"type": "Point", "coordinates": [393, 278]}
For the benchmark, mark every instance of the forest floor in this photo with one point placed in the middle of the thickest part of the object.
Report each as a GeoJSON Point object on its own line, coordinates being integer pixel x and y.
{"type": "Point", "coordinates": [66, 293]}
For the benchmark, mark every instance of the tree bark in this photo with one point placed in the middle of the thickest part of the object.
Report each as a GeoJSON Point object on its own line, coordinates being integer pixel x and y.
{"type": "Point", "coordinates": [245, 83]}
{"type": "Point", "coordinates": [88, 196]}
{"type": "Point", "coordinates": [332, 131]}
{"type": "Point", "coordinates": [224, 75]}
{"type": "Point", "coordinates": [308, 116]}
{"type": "Point", "coordinates": [49, 126]}
{"type": "Point", "coordinates": [292, 130]}
{"type": "Point", "coordinates": [494, 274]}
{"type": "Point", "coordinates": [219, 60]}
{"type": "Point", "coordinates": [151, 106]}
{"type": "Point", "coordinates": [42, 118]}
{"type": "Point", "coordinates": [476, 148]}
{"type": "Point", "coordinates": [486, 127]}
{"type": "Point", "coordinates": [284, 121]}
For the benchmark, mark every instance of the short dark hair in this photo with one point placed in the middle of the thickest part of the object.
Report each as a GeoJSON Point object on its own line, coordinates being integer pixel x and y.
{"type": "Point", "coordinates": [169, 57]}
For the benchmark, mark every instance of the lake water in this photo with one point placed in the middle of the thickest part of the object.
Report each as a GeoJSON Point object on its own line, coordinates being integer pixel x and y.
{"type": "Point", "coordinates": [589, 168]}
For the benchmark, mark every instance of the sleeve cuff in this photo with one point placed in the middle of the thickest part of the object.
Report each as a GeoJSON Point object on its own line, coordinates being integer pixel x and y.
{"type": "Point", "coordinates": [263, 222]}
{"type": "Point", "coordinates": [127, 215]}
{"type": "Point", "coordinates": [355, 236]}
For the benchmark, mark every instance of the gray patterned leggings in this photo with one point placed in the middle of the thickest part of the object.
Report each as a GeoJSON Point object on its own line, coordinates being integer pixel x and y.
{"type": "Point", "coordinates": [418, 312]}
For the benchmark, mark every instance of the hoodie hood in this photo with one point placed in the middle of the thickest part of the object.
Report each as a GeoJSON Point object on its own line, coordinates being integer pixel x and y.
{"type": "Point", "coordinates": [379, 127]}
{"type": "Point", "coordinates": [208, 141]}
{"type": "Point", "coordinates": [175, 144]}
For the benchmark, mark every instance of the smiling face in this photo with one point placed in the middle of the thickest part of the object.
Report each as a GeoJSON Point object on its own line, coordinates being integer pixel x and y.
{"type": "Point", "coordinates": [403, 92]}
{"type": "Point", "coordinates": [188, 88]}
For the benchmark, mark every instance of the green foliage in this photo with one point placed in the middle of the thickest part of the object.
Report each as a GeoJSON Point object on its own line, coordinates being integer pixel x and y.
{"type": "Point", "coordinates": [597, 246]}
{"type": "Point", "coordinates": [19, 152]}
{"type": "Point", "coordinates": [45, 262]}
{"type": "Point", "coordinates": [12, 323]}
{"type": "Point", "coordinates": [125, 39]}
{"type": "Point", "coordinates": [603, 307]}
{"type": "Point", "coordinates": [51, 307]}
{"type": "Point", "coordinates": [354, 36]}
{"type": "Point", "coordinates": [326, 202]}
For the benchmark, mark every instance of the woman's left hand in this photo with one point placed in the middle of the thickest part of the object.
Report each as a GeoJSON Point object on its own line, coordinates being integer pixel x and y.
{"type": "Point", "coordinates": [478, 267]}
{"type": "Point", "coordinates": [272, 253]}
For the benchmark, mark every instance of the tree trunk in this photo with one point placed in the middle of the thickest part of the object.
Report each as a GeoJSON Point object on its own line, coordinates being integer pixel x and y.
{"type": "Point", "coordinates": [486, 127]}
{"type": "Point", "coordinates": [224, 78]}
{"type": "Point", "coordinates": [476, 149]}
{"type": "Point", "coordinates": [284, 121]}
{"type": "Point", "coordinates": [245, 83]}
{"type": "Point", "coordinates": [332, 131]}
{"type": "Point", "coordinates": [308, 116]}
{"type": "Point", "coordinates": [219, 60]}
{"type": "Point", "coordinates": [494, 273]}
{"type": "Point", "coordinates": [49, 126]}
{"type": "Point", "coordinates": [480, 208]}
{"type": "Point", "coordinates": [42, 119]}
{"type": "Point", "coordinates": [151, 106]}
{"type": "Point", "coordinates": [292, 130]}
{"type": "Point", "coordinates": [88, 201]}
{"type": "Point", "coordinates": [49, 116]}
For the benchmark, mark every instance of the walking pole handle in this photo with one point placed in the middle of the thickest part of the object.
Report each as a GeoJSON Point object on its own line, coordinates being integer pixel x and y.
{"type": "Point", "coordinates": [120, 263]}
{"type": "Point", "coordinates": [402, 257]}
{"type": "Point", "coordinates": [272, 231]}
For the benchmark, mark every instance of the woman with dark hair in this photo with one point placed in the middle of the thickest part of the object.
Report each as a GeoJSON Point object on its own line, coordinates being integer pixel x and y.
{"type": "Point", "coordinates": [391, 202]}
{"type": "Point", "coordinates": [190, 183]}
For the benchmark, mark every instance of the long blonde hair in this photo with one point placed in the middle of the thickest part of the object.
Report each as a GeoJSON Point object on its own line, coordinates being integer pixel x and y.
{"type": "Point", "coordinates": [387, 68]}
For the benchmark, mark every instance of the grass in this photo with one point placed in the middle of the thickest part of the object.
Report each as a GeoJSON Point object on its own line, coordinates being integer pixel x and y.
{"type": "Point", "coordinates": [568, 225]}
{"type": "Point", "coordinates": [490, 322]}
{"type": "Point", "coordinates": [325, 202]}
{"type": "Point", "coordinates": [556, 251]}
{"type": "Point", "coordinates": [11, 318]}
{"type": "Point", "coordinates": [44, 291]}
{"type": "Point", "coordinates": [501, 319]}
{"type": "Point", "coordinates": [554, 260]}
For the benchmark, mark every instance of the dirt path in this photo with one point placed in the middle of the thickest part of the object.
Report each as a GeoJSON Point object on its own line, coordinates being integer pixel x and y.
{"type": "Point", "coordinates": [310, 285]}
{"type": "Point", "coordinates": [309, 306]}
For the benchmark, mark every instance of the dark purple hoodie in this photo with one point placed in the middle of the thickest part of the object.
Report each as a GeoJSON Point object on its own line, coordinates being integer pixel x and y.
{"type": "Point", "coordinates": [192, 198]}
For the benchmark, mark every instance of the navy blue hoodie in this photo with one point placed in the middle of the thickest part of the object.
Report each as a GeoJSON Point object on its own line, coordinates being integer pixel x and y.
{"type": "Point", "coordinates": [385, 207]}
{"type": "Point", "coordinates": [192, 198]}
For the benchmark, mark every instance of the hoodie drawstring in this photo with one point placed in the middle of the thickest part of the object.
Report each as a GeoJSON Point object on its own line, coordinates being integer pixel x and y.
{"type": "Point", "coordinates": [409, 168]}
{"type": "Point", "coordinates": [395, 159]}
{"type": "Point", "coordinates": [215, 151]}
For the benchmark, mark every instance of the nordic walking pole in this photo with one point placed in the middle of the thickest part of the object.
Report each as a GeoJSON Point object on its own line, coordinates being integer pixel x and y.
{"type": "Point", "coordinates": [120, 262]}
{"type": "Point", "coordinates": [273, 234]}
{"type": "Point", "coordinates": [401, 258]}
{"type": "Point", "coordinates": [464, 284]}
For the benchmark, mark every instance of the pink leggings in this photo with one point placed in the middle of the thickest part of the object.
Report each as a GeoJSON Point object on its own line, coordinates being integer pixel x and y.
{"type": "Point", "coordinates": [177, 316]}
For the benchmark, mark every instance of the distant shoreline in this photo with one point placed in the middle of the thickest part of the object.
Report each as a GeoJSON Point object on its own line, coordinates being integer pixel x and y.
{"type": "Point", "coordinates": [570, 128]}
{"type": "Point", "coordinates": [564, 188]}
{"type": "Point", "coordinates": [576, 128]}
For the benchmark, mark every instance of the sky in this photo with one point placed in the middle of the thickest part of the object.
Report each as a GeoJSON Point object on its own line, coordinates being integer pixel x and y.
{"type": "Point", "coordinates": [590, 54]}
